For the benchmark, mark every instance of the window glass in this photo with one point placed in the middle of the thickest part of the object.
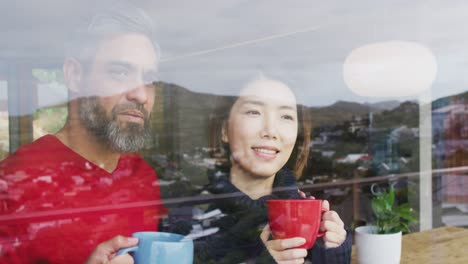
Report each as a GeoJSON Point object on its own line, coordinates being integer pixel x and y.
{"type": "Point", "coordinates": [52, 97]}
{"type": "Point", "coordinates": [381, 86]}
{"type": "Point", "coordinates": [4, 145]}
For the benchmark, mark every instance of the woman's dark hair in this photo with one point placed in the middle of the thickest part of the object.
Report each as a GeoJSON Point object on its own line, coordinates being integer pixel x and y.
{"type": "Point", "coordinates": [300, 155]}
{"type": "Point", "coordinates": [218, 119]}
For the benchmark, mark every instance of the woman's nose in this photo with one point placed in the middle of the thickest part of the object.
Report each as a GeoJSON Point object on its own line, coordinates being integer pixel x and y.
{"type": "Point", "coordinates": [269, 128]}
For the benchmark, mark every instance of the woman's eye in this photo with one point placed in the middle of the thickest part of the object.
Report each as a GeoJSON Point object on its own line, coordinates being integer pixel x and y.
{"type": "Point", "coordinates": [288, 117]}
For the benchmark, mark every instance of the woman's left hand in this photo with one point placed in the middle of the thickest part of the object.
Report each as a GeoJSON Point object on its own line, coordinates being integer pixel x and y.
{"type": "Point", "coordinates": [333, 226]}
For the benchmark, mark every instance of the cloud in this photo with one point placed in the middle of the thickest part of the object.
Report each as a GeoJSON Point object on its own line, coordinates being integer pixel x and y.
{"type": "Point", "coordinates": [213, 46]}
{"type": "Point", "coordinates": [310, 59]}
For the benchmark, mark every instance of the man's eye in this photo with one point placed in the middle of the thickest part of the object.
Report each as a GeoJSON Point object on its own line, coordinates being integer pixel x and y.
{"type": "Point", "coordinates": [288, 117]}
{"type": "Point", "coordinates": [120, 73]}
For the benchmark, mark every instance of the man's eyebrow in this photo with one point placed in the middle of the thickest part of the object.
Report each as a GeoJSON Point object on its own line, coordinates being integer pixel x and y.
{"type": "Point", "coordinates": [130, 66]}
{"type": "Point", "coordinates": [121, 64]}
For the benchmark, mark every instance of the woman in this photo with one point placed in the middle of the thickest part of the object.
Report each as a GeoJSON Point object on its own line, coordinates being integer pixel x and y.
{"type": "Point", "coordinates": [264, 132]}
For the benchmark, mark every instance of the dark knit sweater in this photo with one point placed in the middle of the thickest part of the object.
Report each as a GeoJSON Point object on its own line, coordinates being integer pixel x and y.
{"type": "Point", "coordinates": [238, 239]}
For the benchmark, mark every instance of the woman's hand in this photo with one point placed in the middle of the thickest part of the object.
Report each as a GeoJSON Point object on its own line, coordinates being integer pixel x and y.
{"type": "Point", "coordinates": [333, 226]}
{"type": "Point", "coordinates": [304, 196]}
{"type": "Point", "coordinates": [283, 250]}
{"type": "Point", "coordinates": [105, 252]}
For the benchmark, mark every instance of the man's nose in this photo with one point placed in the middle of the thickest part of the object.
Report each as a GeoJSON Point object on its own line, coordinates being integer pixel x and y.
{"type": "Point", "coordinates": [139, 94]}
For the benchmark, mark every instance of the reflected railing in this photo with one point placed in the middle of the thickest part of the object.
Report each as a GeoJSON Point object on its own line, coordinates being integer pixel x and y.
{"type": "Point", "coordinates": [356, 184]}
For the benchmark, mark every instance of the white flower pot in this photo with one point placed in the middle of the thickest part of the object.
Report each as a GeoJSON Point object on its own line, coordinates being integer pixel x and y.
{"type": "Point", "coordinates": [373, 248]}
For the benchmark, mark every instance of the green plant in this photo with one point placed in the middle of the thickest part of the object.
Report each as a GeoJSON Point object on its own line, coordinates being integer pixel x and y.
{"type": "Point", "coordinates": [389, 217]}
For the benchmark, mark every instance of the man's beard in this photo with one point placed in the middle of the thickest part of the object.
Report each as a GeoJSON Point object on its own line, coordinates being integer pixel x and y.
{"type": "Point", "coordinates": [122, 138]}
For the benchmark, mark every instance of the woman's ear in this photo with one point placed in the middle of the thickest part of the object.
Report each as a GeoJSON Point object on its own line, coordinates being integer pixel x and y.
{"type": "Point", "coordinates": [224, 136]}
{"type": "Point", "coordinates": [73, 74]}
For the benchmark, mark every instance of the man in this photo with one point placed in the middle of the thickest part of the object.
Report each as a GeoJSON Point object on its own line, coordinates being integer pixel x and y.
{"type": "Point", "coordinates": [64, 194]}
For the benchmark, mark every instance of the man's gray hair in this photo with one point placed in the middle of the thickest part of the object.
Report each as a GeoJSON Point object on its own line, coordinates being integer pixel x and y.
{"type": "Point", "coordinates": [111, 17]}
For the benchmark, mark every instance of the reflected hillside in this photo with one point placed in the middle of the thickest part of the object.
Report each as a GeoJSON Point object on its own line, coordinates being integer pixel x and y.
{"type": "Point", "coordinates": [348, 139]}
{"type": "Point", "coordinates": [185, 115]}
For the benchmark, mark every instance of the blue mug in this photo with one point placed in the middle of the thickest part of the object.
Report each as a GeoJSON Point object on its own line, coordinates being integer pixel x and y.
{"type": "Point", "coordinates": [160, 248]}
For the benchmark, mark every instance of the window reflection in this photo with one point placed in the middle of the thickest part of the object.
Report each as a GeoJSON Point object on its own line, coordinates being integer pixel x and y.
{"type": "Point", "coordinates": [4, 135]}
{"type": "Point", "coordinates": [358, 144]}
{"type": "Point", "coordinates": [52, 96]}
{"type": "Point", "coordinates": [450, 118]}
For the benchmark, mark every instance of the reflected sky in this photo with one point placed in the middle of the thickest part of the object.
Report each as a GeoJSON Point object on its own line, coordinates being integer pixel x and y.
{"type": "Point", "coordinates": [214, 46]}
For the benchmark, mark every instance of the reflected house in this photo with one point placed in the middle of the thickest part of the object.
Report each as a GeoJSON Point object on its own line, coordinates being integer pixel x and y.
{"type": "Point", "coordinates": [353, 158]}
{"type": "Point", "coordinates": [397, 133]}
{"type": "Point", "coordinates": [202, 223]}
{"type": "Point", "coordinates": [358, 124]}
{"type": "Point", "coordinates": [392, 148]}
{"type": "Point", "coordinates": [328, 153]}
{"type": "Point", "coordinates": [387, 168]}
{"type": "Point", "coordinates": [322, 139]}
{"type": "Point", "coordinates": [446, 116]}
{"type": "Point", "coordinates": [191, 221]}
{"type": "Point", "coordinates": [450, 129]}
{"type": "Point", "coordinates": [453, 185]}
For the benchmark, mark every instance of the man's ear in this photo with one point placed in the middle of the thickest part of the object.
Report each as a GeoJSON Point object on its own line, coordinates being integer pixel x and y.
{"type": "Point", "coordinates": [224, 136]}
{"type": "Point", "coordinates": [73, 74]}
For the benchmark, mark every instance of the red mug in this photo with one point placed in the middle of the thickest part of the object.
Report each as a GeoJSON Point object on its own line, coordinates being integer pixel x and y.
{"type": "Point", "coordinates": [296, 218]}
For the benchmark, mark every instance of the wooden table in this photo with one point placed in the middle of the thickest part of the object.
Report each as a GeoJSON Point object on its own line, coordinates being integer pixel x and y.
{"type": "Point", "coordinates": [443, 245]}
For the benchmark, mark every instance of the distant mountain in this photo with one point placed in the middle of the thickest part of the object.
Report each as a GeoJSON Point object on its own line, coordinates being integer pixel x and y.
{"type": "Point", "coordinates": [347, 106]}
{"type": "Point", "coordinates": [186, 115]}
{"type": "Point", "coordinates": [384, 105]}
{"type": "Point", "coordinates": [407, 113]}
{"type": "Point", "coordinates": [461, 98]}
{"type": "Point", "coordinates": [337, 113]}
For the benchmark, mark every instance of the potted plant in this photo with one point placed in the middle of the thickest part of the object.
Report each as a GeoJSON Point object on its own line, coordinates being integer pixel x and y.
{"type": "Point", "coordinates": [381, 242]}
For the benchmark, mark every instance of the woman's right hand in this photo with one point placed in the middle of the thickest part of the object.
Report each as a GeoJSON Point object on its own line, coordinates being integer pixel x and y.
{"type": "Point", "coordinates": [283, 250]}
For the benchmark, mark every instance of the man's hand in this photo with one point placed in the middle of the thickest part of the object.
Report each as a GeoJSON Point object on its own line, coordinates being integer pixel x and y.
{"type": "Point", "coordinates": [105, 252]}
{"type": "Point", "coordinates": [283, 250]}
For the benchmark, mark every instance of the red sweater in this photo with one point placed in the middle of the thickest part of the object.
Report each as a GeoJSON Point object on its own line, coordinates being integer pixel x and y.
{"type": "Point", "coordinates": [56, 206]}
